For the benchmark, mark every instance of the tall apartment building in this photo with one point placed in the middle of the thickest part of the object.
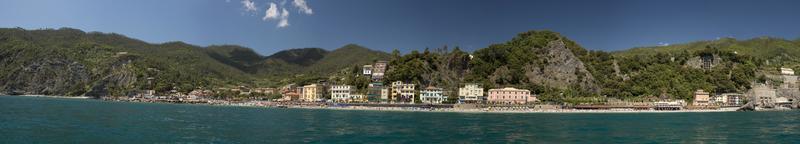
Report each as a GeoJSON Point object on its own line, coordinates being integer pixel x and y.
{"type": "Point", "coordinates": [403, 92]}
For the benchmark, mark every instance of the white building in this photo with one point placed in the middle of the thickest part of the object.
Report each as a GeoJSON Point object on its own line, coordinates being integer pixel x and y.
{"type": "Point", "coordinates": [471, 93]}
{"type": "Point", "coordinates": [787, 71]}
{"type": "Point", "coordinates": [403, 92]}
{"type": "Point", "coordinates": [727, 99]}
{"type": "Point", "coordinates": [432, 95]}
{"type": "Point", "coordinates": [341, 93]}
{"type": "Point", "coordinates": [366, 70]}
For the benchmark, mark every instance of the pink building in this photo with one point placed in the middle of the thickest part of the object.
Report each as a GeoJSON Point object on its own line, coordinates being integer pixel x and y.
{"type": "Point", "coordinates": [510, 96]}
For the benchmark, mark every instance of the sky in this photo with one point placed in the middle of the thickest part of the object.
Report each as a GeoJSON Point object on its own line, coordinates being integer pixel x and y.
{"type": "Point", "coordinates": [269, 26]}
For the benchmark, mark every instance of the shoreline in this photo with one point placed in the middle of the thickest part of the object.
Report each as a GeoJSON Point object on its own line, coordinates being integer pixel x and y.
{"type": "Point", "coordinates": [50, 96]}
{"type": "Point", "coordinates": [322, 106]}
{"type": "Point", "coordinates": [552, 111]}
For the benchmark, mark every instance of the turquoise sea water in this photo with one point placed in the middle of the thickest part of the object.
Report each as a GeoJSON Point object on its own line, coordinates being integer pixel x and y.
{"type": "Point", "coordinates": [55, 120]}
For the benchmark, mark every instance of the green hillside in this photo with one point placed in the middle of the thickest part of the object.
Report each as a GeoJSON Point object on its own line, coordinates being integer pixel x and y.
{"type": "Point", "coordinates": [72, 62]}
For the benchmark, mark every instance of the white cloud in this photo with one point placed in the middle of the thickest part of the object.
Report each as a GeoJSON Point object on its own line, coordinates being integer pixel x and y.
{"type": "Point", "coordinates": [284, 22]}
{"type": "Point", "coordinates": [302, 6]}
{"type": "Point", "coordinates": [278, 10]}
{"type": "Point", "coordinates": [249, 5]}
{"type": "Point", "coordinates": [272, 12]}
{"type": "Point", "coordinates": [663, 44]}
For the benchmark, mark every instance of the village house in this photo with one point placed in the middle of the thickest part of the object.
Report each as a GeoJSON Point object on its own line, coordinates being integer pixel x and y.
{"type": "Point", "coordinates": [432, 95]}
{"type": "Point", "coordinates": [341, 93]}
{"type": "Point", "coordinates": [290, 93]}
{"type": "Point", "coordinates": [403, 92]}
{"type": "Point", "coordinates": [312, 93]}
{"type": "Point", "coordinates": [378, 70]}
{"type": "Point", "coordinates": [701, 98]}
{"type": "Point", "coordinates": [366, 70]}
{"type": "Point", "coordinates": [471, 93]}
{"type": "Point", "coordinates": [510, 96]}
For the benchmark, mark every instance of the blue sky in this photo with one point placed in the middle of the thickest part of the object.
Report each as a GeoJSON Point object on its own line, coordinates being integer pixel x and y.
{"type": "Point", "coordinates": [411, 24]}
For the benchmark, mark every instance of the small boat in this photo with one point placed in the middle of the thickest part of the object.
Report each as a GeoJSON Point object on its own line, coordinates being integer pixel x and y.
{"type": "Point", "coordinates": [282, 106]}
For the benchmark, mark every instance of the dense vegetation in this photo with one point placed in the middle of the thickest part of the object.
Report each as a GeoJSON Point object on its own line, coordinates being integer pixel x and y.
{"type": "Point", "coordinates": [72, 62]}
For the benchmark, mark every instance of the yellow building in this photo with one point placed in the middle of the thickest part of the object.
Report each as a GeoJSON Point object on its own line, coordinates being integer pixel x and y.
{"type": "Point", "coordinates": [311, 93]}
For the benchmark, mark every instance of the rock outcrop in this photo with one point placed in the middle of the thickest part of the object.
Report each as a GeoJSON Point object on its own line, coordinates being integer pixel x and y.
{"type": "Point", "coordinates": [55, 76]}
{"type": "Point", "coordinates": [562, 70]}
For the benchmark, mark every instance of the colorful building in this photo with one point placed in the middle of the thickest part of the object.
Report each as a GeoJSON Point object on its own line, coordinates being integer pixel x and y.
{"type": "Point", "coordinates": [510, 96]}
{"type": "Point", "coordinates": [312, 93]}
{"type": "Point", "coordinates": [403, 92]}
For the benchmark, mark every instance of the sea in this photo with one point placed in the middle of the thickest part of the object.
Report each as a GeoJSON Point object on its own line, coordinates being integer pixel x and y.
{"type": "Point", "coordinates": [61, 120]}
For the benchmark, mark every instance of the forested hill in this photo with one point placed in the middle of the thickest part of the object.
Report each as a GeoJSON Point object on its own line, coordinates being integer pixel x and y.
{"type": "Point", "coordinates": [72, 62]}
{"type": "Point", "coordinates": [560, 70]}
{"type": "Point", "coordinates": [675, 70]}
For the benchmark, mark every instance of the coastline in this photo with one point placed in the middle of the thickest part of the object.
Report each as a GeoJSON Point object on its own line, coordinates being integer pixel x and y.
{"type": "Point", "coordinates": [551, 111]}
{"type": "Point", "coordinates": [50, 96]}
{"type": "Point", "coordinates": [322, 106]}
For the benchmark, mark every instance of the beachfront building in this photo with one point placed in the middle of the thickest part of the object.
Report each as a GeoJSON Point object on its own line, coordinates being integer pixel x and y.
{"type": "Point", "coordinates": [471, 93]}
{"type": "Point", "coordinates": [378, 70]}
{"type": "Point", "coordinates": [366, 70]}
{"type": "Point", "coordinates": [403, 92]}
{"type": "Point", "coordinates": [377, 92]}
{"type": "Point", "coordinates": [510, 96]}
{"type": "Point", "coordinates": [432, 95]}
{"type": "Point", "coordinates": [312, 93]}
{"type": "Point", "coordinates": [341, 93]}
{"type": "Point", "coordinates": [358, 98]}
{"type": "Point", "coordinates": [374, 91]}
{"type": "Point", "coordinates": [727, 99]}
{"type": "Point", "coordinates": [668, 105]}
{"type": "Point", "coordinates": [784, 102]}
{"type": "Point", "coordinates": [290, 92]}
{"type": "Point", "coordinates": [701, 98]}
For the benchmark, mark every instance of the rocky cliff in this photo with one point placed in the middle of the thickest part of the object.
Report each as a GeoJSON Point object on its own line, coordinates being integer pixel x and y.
{"type": "Point", "coordinates": [562, 70]}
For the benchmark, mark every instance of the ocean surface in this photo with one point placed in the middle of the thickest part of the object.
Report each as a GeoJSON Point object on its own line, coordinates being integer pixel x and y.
{"type": "Point", "coordinates": [58, 120]}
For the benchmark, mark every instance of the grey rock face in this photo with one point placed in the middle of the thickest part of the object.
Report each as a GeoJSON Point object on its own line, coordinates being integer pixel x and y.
{"type": "Point", "coordinates": [54, 76]}
{"type": "Point", "coordinates": [562, 70]}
